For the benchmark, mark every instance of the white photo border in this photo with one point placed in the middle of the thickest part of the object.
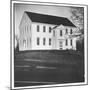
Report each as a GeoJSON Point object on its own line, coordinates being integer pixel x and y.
{"type": "Point", "coordinates": [12, 43]}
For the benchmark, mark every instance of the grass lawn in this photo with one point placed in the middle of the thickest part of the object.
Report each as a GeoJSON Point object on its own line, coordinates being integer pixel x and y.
{"type": "Point", "coordinates": [48, 67]}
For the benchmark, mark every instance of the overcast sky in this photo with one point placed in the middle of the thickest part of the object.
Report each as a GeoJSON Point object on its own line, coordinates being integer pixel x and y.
{"type": "Point", "coordinates": [50, 10]}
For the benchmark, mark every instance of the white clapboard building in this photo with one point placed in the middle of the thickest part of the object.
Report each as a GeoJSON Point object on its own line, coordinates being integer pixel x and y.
{"type": "Point", "coordinates": [46, 32]}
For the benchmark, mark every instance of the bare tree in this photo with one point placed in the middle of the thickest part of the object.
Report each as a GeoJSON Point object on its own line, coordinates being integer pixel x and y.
{"type": "Point", "coordinates": [78, 19]}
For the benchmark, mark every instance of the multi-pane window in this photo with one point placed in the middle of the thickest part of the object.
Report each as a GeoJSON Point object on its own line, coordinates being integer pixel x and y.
{"type": "Point", "coordinates": [60, 32]}
{"type": "Point", "coordinates": [71, 42]}
{"type": "Point", "coordinates": [66, 42]}
{"type": "Point", "coordinates": [49, 41]}
{"type": "Point", "coordinates": [44, 28]}
{"type": "Point", "coordinates": [66, 31]}
{"type": "Point", "coordinates": [49, 29]}
{"type": "Point", "coordinates": [71, 31]}
{"type": "Point", "coordinates": [44, 40]}
{"type": "Point", "coordinates": [37, 28]}
{"type": "Point", "coordinates": [38, 41]}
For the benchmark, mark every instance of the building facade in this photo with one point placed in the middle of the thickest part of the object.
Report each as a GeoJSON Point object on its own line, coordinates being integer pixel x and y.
{"type": "Point", "coordinates": [46, 32]}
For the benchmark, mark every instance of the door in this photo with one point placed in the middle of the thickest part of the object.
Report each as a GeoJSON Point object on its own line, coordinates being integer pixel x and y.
{"type": "Point", "coordinates": [60, 44]}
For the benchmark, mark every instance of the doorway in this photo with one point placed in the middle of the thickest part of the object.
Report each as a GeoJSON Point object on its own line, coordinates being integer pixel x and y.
{"type": "Point", "coordinates": [60, 44]}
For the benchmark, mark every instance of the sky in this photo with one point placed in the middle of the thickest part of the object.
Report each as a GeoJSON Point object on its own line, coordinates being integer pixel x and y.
{"type": "Point", "coordinates": [19, 8]}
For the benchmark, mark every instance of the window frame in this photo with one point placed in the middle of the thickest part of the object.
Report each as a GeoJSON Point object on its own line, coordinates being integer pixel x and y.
{"type": "Point", "coordinates": [61, 33]}
{"type": "Point", "coordinates": [44, 29]}
{"type": "Point", "coordinates": [49, 29]}
{"type": "Point", "coordinates": [71, 42]}
{"type": "Point", "coordinates": [44, 40]}
{"type": "Point", "coordinates": [38, 41]}
{"type": "Point", "coordinates": [37, 28]}
{"type": "Point", "coordinates": [71, 31]}
{"type": "Point", "coordinates": [50, 41]}
{"type": "Point", "coordinates": [53, 32]}
{"type": "Point", "coordinates": [66, 31]}
{"type": "Point", "coordinates": [66, 42]}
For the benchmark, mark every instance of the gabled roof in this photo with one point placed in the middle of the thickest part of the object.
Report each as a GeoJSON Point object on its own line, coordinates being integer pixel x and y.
{"type": "Point", "coordinates": [49, 19]}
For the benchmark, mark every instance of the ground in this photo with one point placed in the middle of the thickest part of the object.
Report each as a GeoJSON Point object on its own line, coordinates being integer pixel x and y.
{"type": "Point", "coordinates": [48, 67]}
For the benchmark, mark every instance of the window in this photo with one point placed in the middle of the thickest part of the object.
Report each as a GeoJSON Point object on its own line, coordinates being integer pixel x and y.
{"type": "Point", "coordinates": [24, 42]}
{"type": "Point", "coordinates": [44, 28]}
{"type": "Point", "coordinates": [44, 41]}
{"type": "Point", "coordinates": [49, 41]}
{"type": "Point", "coordinates": [60, 32]}
{"type": "Point", "coordinates": [66, 31]}
{"type": "Point", "coordinates": [49, 29]}
{"type": "Point", "coordinates": [71, 31]}
{"type": "Point", "coordinates": [66, 42]}
{"type": "Point", "coordinates": [37, 28]}
{"type": "Point", "coordinates": [71, 42]}
{"type": "Point", "coordinates": [27, 42]}
{"type": "Point", "coordinates": [38, 40]}
{"type": "Point", "coordinates": [27, 29]}
{"type": "Point", "coordinates": [30, 28]}
{"type": "Point", "coordinates": [30, 40]}
{"type": "Point", "coordinates": [53, 33]}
